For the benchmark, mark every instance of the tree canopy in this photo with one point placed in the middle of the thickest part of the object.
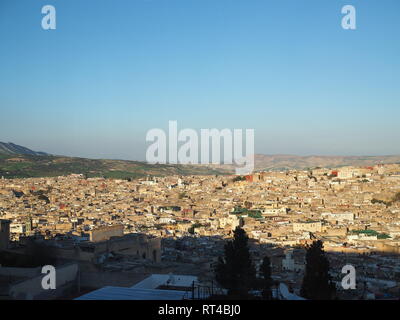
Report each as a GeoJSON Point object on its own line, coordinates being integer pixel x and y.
{"type": "Point", "coordinates": [317, 283]}
{"type": "Point", "coordinates": [235, 271]}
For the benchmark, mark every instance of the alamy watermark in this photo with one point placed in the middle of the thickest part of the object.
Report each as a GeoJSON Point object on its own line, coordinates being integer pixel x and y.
{"type": "Point", "coordinates": [49, 20]}
{"type": "Point", "coordinates": [185, 147]}
{"type": "Point", "coordinates": [348, 21]}
{"type": "Point", "coordinates": [349, 280]}
{"type": "Point", "coordinates": [49, 280]}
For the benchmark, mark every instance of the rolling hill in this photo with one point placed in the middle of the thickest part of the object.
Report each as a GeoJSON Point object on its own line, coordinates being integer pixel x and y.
{"type": "Point", "coordinates": [26, 166]}
{"type": "Point", "coordinates": [20, 162]}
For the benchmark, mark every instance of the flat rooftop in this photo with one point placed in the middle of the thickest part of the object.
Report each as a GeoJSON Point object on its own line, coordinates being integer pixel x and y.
{"type": "Point", "coordinates": [121, 293]}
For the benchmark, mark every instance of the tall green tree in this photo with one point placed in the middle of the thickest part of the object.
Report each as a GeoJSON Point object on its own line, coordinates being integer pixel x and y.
{"type": "Point", "coordinates": [317, 283]}
{"type": "Point", "coordinates": [235, 271]}
{"type": "Point", "coordinates": [265, 271]}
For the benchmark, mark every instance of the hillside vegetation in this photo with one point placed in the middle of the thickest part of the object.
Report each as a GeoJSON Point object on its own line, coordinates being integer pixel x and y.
{"type": "Point", "coordinates": [25, 166]}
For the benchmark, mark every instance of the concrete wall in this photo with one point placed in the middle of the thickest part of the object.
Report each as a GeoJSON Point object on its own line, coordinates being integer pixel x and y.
{"type": "Point", "coordinates": [31, 289]}
{"type": "Point", "coordinates": [73, 254]}
{"type": "Point", "coordinates": [142, 246]}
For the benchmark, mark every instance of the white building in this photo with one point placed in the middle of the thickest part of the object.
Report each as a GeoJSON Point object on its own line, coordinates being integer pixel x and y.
{"type": "Point", "coordinates": [289, 264]}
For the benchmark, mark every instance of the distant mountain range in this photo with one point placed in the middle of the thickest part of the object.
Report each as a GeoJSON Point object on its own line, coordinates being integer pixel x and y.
{"type": "Point", "coordinates": [20, 162]}
{"type": "Point", "coordinates": [284, 161]}
{"type": "Point", "coordinates": [14, 149]}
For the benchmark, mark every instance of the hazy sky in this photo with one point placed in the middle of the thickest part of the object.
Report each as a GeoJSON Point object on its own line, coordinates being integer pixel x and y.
{"type": "Point", "coordinates": [112, 70]}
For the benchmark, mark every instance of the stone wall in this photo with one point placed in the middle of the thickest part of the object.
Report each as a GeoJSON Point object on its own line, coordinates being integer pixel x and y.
{"type": "Point", "coordinates": [105, 233]}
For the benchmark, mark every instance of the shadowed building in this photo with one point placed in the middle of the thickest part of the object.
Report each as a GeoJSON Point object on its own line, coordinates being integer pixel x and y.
{"type": "Point", "coordinates": [139, 245]}
{"type": "Point", "coordinates": [4, 234]}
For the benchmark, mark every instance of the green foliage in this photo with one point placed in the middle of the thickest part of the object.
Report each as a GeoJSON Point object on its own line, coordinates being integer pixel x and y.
{"type": "Point", "coordinates": [265, 270]}
{"type": "Point", "coordinates": [373, 201]}
{"type": "Point", "coordinates": [396, 198]}
{"type": "Point", "coordinates": [194, 226]}
{"type": "Point", "coordinates": [239, 210]}
{"type": "Point", "coordinates": [317, 283]}
{"type": "Point", "coordinates": [371, 232]}
{"type": "Point", "coordinates": [239, 178]}
{"type": "Point", "coordinates": [368, 232]}
{"type": "Point", "coordinates": [51, 166]}
{"type": "Point", "coordinates": [256, 214]}
{"type": "Point", "coordinates": [235, 271]}
{"type": "Point", "coordinates": [182, 195]}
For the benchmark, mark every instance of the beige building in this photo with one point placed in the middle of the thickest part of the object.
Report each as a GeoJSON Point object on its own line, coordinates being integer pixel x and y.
{"type": "Point", "coordinates": [105, 233]}
{"type": "Point", "coordinates": [310, 226]}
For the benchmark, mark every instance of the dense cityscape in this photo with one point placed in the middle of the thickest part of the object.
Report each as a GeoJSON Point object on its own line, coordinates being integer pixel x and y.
{"type": "Point", "coordinates": [186, 159]}
{"type": "Point", "coordinates": [120, 232]}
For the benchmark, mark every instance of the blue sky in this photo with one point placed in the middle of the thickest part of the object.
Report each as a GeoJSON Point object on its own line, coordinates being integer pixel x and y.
{"type": "Point", "coordinates": [112, 70]}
